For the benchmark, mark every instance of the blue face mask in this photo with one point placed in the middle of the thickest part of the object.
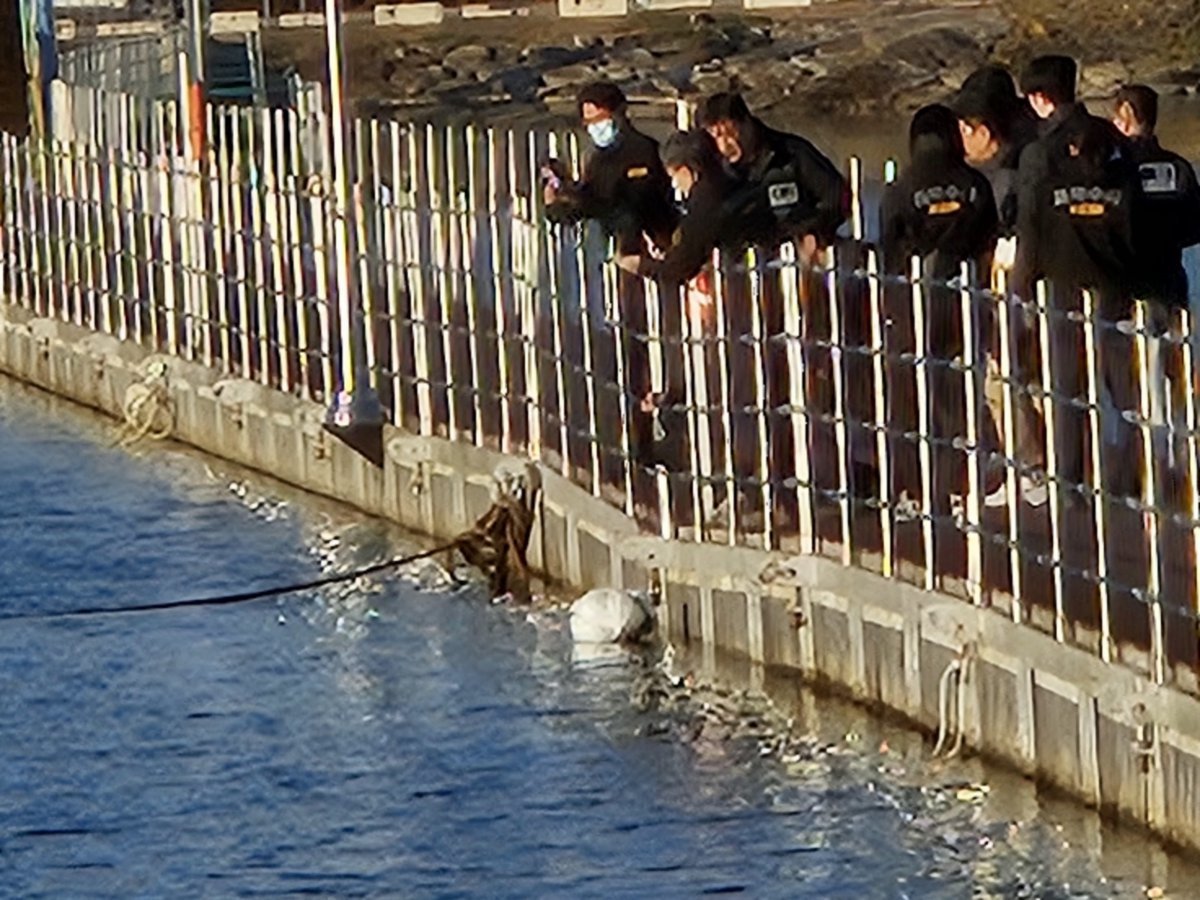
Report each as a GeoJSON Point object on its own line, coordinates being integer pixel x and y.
{"type": "Point", "coordinates": [603, 134]}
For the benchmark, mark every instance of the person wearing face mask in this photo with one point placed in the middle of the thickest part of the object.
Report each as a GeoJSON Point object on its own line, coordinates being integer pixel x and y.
{"type": "Point", "coordinates": [623, 185]}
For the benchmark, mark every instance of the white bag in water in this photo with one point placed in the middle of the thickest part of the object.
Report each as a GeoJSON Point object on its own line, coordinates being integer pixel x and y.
{"type": "Point", "coordinates": [609, 616]}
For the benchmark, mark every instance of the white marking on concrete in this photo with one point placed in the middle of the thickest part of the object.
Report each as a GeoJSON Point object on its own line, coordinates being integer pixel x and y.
{"type": "Point", "coordinates": [410, 14]}
{"type": "Point", "coordinates": [581, 9]}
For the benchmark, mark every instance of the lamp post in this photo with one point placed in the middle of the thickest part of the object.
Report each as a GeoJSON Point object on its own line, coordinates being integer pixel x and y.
{"type": "Point", "coordinates": [356, 415]}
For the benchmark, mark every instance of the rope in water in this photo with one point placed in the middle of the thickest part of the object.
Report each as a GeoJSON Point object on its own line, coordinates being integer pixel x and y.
{"type": "Point", "coordinates": [244, 597]}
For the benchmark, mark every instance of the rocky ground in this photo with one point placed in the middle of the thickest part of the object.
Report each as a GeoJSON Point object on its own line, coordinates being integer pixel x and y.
{"type": "Point", "coordinates": [843, 58]}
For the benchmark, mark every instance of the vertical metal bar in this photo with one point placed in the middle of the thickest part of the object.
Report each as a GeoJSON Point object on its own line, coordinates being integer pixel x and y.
{"type": "Point", "coordinates": [298, 297]}
{"type": "Point", "coordinates": [368, 199]}
{"type": "Point", "coordinates": [761, 396]}
{"type": "Point", "coordinates": [1158, 655]}
{"type": "Point", "coordinates": [792, 284]}
{"type": "Point", "coordinates": [841, 438]}
{"type": "Point", "coordinates": [493, 168]}
{"type": "Point", "coordinates": [691, 334]}
{"type": "Point", "coordinates": [256, 122]}
{"type": "Point", "coordinates": [469, 242]}
{"type": "Point", "coordinates": [882, 444]}
{"type": "Point", "coordinates": [420, 315]}
{"type": "Point", "coordinates": [273, 151]}
{"type": "Point", "coordinates": [166, 237]}
{"type": "Point", "coordinates": [394, 272]}
{"type": "Point", "coordinates": [1050, 406]}
{"type": "Point", "coordinates": [1192, 420]}
{"type": "Point", "coordinates": [611, 290]}
{"type": "Point", "coordinates": [219, 215]}
{"type": "Point", "coordinates": [856, 208]}
{"type": "Point", "coordinates": [342, 251]}
{"type": "Point", "coordinates": [1004, 318]}
{"type": "Point", "coordinates": [553, 262]}
{"type": "Point", "coordinates": [320, 254]}
{"type": "Point", "coordinates": [974, 456]}
{"type": "Point", "coordinates": [440, 223]}
{"type": "Point", "coordinates": [241, 264]}
{"type": "Point", "coordinates": [726, 389]}
{"type": "Point", "coordinates": [1099, 499]}
{"type": "Point", "coordinates": [924, 447]}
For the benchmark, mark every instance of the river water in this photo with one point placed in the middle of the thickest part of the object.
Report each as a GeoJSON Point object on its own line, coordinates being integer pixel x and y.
{"type": "Point", "coordinates": [415, 741]}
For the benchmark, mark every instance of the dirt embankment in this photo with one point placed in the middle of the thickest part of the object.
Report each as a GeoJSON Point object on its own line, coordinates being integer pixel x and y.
{"type": "Point", "coordinates": [844, 58]}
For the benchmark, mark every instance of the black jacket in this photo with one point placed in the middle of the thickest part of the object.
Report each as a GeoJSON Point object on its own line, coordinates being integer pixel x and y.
{"type": "Point", "coordinates": [1085, 233]}
{"type": "Point", "coordinates": [787, 174]}
{"type": "Point", "coordinates": [1038, 161]}
{"type": "Point", "coordinates": [1168, 219]}
{"type": "Point", "coordinates": [712, 219]}
{"type": "Point", "coordinates": [626, 189]}
{"type": "Point", "coordinates": [940, 209]}
{"type": "Point", "coordinates": [1001, 173]}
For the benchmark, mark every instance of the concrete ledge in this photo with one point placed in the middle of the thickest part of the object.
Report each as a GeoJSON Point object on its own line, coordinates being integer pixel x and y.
{"type": "Point", "coordinates": [128, 29]}
{"type": "Point", "coordinates": [775, 4]}
{"type": "Point", "coordinates": [484, 11]}
{"type": "Point", "coordinates": [301, 20]}
{"type": "Point", "coordinates": [243, 22]}
{"type": "Point", "coordinates": [65, 29]}
{"type": "Point", "coordinates": [410, 14]}
{"type": "Point", "coordinates": [578, 9]}
{"type": "Point", "coordinates": [668, 5]}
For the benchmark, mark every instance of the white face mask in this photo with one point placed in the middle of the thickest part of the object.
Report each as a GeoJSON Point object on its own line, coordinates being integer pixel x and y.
{"type": "Point", "coordinates": [603, 133]}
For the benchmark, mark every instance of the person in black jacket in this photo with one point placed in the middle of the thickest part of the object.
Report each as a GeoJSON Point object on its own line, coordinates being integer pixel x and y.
{"type": "Point", "coordinates": [624, 188]}
{"type": "Point", "coordinates": [1085, 242]}
{"type": "Point", "coordinates": [1048, 83]}
{"type": "Point", "coordinates": [623, 185]}
{"type": "Point", "coordinates": [804, 190]}
{"type": "Point", "coordinates": [709, 222]}
{"type": "Point", "coordinates": [942, 211]}
{"type": "Point", "coordinates": [1170, 214]}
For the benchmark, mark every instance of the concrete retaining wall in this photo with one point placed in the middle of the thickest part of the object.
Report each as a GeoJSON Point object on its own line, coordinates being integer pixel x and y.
{"type": "Point", "coordinates": [1054, 712]}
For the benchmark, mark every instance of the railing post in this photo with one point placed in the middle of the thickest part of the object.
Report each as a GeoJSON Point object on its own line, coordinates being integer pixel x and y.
{"type": "Point", "coordinates": [1098, 496]}
{"type": "Point", "coordinates": [761, 396]}
{"type": "Point", "coordinates": [1012, 466]}
{"type": "Point", "coordinates": [440, 198]}
{"type": "Point", "coordinates": [1192, 422]}
{"type": "Point", "coordinates": [1050, 404]}
{"type": "Point", "coordinates": [973, 505]}
{"type": "Point", "coordinates": [612, 293]}
{"type": "Point", "coordinates": [498, 299]}
{"type": "Point", "coordinates": [422, 368]}
{"type": "Point", "coordinates": [882, 444]}
{"type": "Point", "coordinates": [924, 432]}
{"type": "Point", "coordinates": [726, 390]}
{"type": "Point", "coordinates": [794, 284]}
{"type": "Point", "coordinates": [1158, 655]}
{"type": "Point", "coordinates": [692, 335]}
{"type": "Point", "coordinates": [468, 243]}
{"type": "Point", "coordinates": [395, 272]}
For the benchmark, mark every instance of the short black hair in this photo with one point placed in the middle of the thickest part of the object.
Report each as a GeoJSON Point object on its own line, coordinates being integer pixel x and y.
{"type": "Point", "coordinates": [935, 126]}
{"type": "Point", "coordinates": [993, 82]}
{"type": "Point", "coordinates": [1053, 76]}
{"type": "Point", "coordinates": [975, 107]}
{"type": "Point", "coordinates": [695, 150]}
{"type": "Point", "coordinates": [1143, 101]}
{"type": "Point", "coordinates": [603, 94]}
{"type": "Point", "coordinates": [724, 107]}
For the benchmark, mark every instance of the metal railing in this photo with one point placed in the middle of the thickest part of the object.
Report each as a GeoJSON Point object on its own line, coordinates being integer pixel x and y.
{"type": "Point", "coordinates": [897, 423]}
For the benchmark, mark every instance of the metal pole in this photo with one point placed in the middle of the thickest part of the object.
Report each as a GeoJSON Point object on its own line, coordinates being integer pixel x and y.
{"type": "Point", "coordinates": [356, 414]}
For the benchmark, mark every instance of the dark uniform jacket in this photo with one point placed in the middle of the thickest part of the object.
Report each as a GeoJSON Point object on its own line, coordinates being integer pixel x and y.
{"type": "Point", "coordinates": [1085, 233]}
{"type": "Point", "coordinates": [626, 189]}
{"type": "Point", "coordinates": [1037, 161]}
{"type": "Point", "coordinates": [712, 219]}
{"type": "Point", "coordinates": [1168, 220]}
{"type": "Point", "coordinates": [804, 190]}
{"type": "Point", "coordinates": [940, 209]}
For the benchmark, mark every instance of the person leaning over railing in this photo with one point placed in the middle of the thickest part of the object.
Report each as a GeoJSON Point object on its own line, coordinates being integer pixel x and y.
{"type": "Point", "coordinates": [709, 222]}
{"type": "Point", "coordinates": [808, 200]}
{"type": "Point", "coordinates": [942, 211]}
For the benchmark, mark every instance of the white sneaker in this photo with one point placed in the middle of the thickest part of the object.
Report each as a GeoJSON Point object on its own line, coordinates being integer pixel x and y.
{"type": "Point", "coordinates": [1034, 490]}
{"type": "Point", "coordinates": [997, 499]}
